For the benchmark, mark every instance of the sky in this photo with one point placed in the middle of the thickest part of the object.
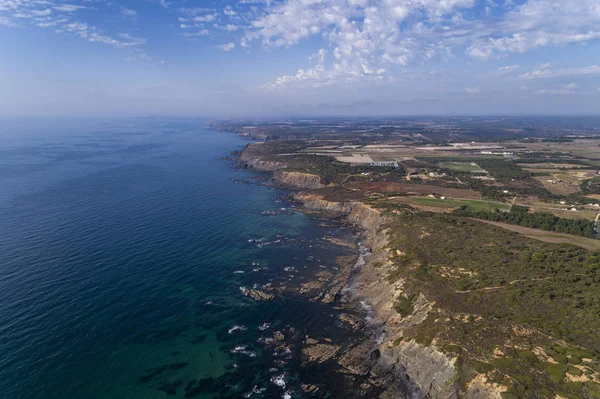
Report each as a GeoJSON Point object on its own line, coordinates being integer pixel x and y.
{"type": "Point", "coordinates": [298, 57]}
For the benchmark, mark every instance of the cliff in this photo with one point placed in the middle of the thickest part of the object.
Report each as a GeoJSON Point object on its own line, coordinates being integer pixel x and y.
{"type": "Point", "coordinates": [253, 161]}
{"type": "Point", "coordinates": [426, 366]}
{"type": "Point", "coordinates": [419, 370]}
{"type": "Point", "coordinates": [297, 179]}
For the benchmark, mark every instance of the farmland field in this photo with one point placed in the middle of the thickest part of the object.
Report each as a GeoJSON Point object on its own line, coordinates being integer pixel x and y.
{"type": "Point", "coordinates": [390, 187]}
{"type": "Point", "coordinates": [469, 167]}
{"type": "Point", "coordinates": [475, 205]}
{"type": "Point", "coordinates": [563, 181]}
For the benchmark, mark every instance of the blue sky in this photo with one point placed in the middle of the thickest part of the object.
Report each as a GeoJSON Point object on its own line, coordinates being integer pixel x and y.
{"type": "Point", "coordinates": [298, 57]}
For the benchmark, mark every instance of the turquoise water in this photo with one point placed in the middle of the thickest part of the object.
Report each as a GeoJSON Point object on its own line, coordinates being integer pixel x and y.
{"type": "Point", "coordinates": [122, 247]}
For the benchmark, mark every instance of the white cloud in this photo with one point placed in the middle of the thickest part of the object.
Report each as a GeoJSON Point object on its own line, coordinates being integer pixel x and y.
{"type": "Point", "coordinates": [59, 16]}
{"type": "Point", "coordinates": [554, 92]}
{"type": "Point", "coordinates": [366, 36]}
{"type": "Point", "coordinates": [570, 86]}
{"type": "Point", "coordinates": [231, 28]}
{"type": "Point", "coordinates": [41, 13]}
{"type": "Point", "coordinates": [79, 28]}
{"type": "Point", "coordinates": [5, 22]}
{"type": "Point", "coordinates": [504, 70]}
{"type": "Point", "coordinates": [68, 7]}
{"type": "Point", "coordinates": [196, 10]}
{"type": "Point", "coordinates": [370, 35]}
{"type": "Point", "coordinates": [92, 35]}
{"type": "Point", "coordinates": [51, 23]}
{"type": "Point", "coordinates": [125, 40]}
{"type": "Point", "coordinates": [539, 23]}
{"type": "Point", "coordinates": [554, 73]}
{"type": "Point", "coordinates": [128, 12]}
{"type": "Point", "coordinates": [473, 90]}
{"type": "Point", "coordinates": [227, 47]}
{"type": "Point", "coordinates": [205, 18]}
{"type": "Point", "coordinates": [229, 11]}
{"type": "Point", "coordinates": [318, 75]}
{"type": "Point", "coordinates": [203, 32]}
{"type": "Point", "coordinates": [508, 68]}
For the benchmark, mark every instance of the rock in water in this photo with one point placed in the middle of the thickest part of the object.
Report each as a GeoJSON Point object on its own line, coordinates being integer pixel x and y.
{"type": "Point", "coordinates": [257, 295]}
{"type": "Point", "coordinates": [310, 389]}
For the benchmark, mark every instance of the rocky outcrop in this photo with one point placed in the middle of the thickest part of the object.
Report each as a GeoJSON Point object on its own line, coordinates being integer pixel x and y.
{"type": "Point", "coordinates": [430, 368]}
{"type": "Point", "coordinates": [299, 180]}
{"type": "Point", "coordinates": [255, 162]}
{"type": "Point", "coordinates": [263, 166]}
{"type": "Point", "coordinates": [257, 295]}
{"type": "Point", "coordinates": [319, 352]}
{"type": "Point", "coordinates": [357, 213]}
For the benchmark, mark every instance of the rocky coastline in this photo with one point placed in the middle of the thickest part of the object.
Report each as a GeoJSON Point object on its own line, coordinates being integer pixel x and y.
{"type": "Point", "coordinates": [399, 369]}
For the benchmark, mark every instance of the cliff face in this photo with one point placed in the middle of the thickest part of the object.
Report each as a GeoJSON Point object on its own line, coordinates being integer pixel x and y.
{"type": "Point", "coordinates": [254, 162]}
{"type": "Point", "coordinates": [356, 212]}
{"type": "Point", "coordinates": [425, 366]}
{"type": "Point", "coordinates": [263, 166]}
{"type": "Point", "coordinates": [297, 179]}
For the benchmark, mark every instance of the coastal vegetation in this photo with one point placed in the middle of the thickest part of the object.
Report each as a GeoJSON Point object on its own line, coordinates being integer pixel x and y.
{"type": "Point", "coordinates": [539, 220]}
{"type": "Point", "coordinates": [524, 313]}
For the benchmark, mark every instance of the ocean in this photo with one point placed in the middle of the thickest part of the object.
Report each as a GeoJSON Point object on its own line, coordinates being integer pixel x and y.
{"type": "Point", "coordinates": [123, 247]}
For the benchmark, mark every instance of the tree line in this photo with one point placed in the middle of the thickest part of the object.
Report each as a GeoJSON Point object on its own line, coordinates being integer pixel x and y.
{"type": "Point", "coordinates": [520, 216]}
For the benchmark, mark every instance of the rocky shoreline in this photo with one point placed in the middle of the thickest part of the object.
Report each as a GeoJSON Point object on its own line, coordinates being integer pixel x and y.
{"type": "Point", "coordinates": [417, 371]}
{"type": "Point", "coordinates": [397, 367]}
{"type": "Point", "coordinates": [355, 288]}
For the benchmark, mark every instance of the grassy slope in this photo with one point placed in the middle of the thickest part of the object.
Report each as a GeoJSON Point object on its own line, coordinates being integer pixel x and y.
{"type": "Point", "coordinates": [506, 304]}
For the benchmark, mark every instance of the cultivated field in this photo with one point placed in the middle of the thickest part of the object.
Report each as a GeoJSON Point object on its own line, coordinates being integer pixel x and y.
{"type": "Point", "coordinates": [468, 167]}
{"type": "Point", "coordinates": [410, 188]}
{"type": "Point", "coordinates": [354, 158]}
{"type": "Point", "coordinates": [451, 203]}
